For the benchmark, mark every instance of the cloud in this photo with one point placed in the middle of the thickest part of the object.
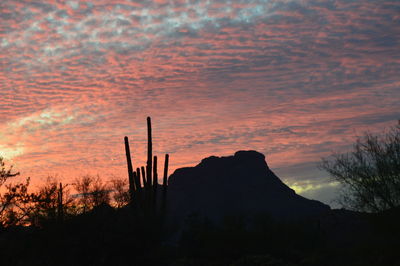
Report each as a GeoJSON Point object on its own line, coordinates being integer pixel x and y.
{"type": "Point", "coordinates": [71, 29]}
{"type": "Point", "coordinates": [9, 152]}
{"type": "Point", "coordinates": [292, 79]}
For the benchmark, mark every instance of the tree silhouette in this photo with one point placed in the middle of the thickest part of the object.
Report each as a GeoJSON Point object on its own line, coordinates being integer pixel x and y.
{"type": "Point", "coordinates": [48, 206]}
{"type": "Point", "coordinates": [4, 173]}
{"type": "Point", "coordinates": [14, 202]}
{"type": "Point", "coordinates": [120, 192]}
{"type": "Point", "coordinates": [92, 192]}
{"type": "Point", "coordinates": [370, 173]}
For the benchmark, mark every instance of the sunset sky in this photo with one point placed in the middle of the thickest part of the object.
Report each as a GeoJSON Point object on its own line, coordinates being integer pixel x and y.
{"type": "Point", "coordinates": [293, 79]}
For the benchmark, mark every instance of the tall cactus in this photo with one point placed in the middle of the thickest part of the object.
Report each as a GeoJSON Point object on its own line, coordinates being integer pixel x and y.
{"type": "Point", "coordinates": [130, 168]}
{"type": "Point", "coordinates": [165, 185]}
{"type": "Point", "coordinates": [144, 177]}
{"type": "Point", "coordinates": [145, 193]}
{"type": "Point", "coordinates": [137, 180]}
{"type": "Point", "coordinates": [165, 178]}
{"type": "Point", "coordinates": [60, 207]}
{"type": "Point", "coordinates": [134, 184]}
{"type": "Point", "coordinates": [143, 183]}
{"type": "Point", "coordinates": [155, 183]}
{"type": "Point", "coordinates": [138, 189]}
{"type": "Point", "coordinates": [149, 152]}
{"type": "Point", "coordinates": [155, 175]}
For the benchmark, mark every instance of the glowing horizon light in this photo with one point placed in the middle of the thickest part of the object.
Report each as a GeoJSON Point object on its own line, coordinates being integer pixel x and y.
{"type": "Point", "coordinates": [307, 186]}
{"type": "Point", "coordinates": [292, 79]}
{"type": "Point", "coordinates": [10, 153]}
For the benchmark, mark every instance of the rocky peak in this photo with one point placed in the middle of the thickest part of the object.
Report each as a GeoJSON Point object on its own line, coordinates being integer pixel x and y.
{"type": "Point", "coordinates": [238, 184]}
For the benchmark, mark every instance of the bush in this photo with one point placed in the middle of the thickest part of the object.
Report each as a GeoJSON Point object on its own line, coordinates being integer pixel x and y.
{"type": "Point", "coordinates": [370, 174]}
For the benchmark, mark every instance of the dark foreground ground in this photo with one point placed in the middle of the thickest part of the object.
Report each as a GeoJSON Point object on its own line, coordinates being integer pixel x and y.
{"type": "Point", "coordinates": [119, 237]}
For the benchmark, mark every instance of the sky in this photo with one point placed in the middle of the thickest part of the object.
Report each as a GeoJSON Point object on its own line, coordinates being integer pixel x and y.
{"type": "Point", "coordinates": [293, 79]}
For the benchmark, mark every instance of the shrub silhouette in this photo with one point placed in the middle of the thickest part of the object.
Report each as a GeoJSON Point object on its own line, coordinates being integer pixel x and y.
{"type": "Point", "coordinates": [94, 233]}
{"type": "Point", "coordinates": [370, 173]}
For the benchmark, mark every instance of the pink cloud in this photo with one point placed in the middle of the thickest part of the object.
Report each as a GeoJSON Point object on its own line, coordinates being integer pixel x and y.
{"type": "Point", "coordinates": [291, 80]}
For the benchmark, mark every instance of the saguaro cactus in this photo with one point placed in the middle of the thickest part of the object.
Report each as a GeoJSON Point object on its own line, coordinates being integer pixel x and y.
{"type": "Point", "coordinates": [144, 177]}
{"type": "Point", "coordinates": [130, 168]}
{"type": "Point", "coordinates": [165, 185]}
{"type": "Point", "coordinates": [165, 178]}
{"type": "Point", "coordinates": [149, 152]}
{"type": "Point", "coordinates": [155, 183]}
{"type": "Point", "coordinates": [60, 207]}
{"type": "Point", "coordinates": [155, 175]}
{"type": "Point", "coordinates": [134, 183]}
{"type": "Point", "coordinates": [146, 193]}
{"type": "Point", "coordinates": [137, 180]}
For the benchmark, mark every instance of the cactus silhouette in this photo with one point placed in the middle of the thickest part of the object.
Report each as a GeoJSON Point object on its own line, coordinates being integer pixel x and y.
{"type": "Point", "coordinates": [165, 178]}
{"type": "Point", "coordinates": [144, 192]}
{"type": "Point", "coordinates": [155, 177]}
{"type": "Point", "coordinates": [149, 152]}
{"type": "Point", "coordinates": [165, 186]}
{"type": "Point", "coordinates": [130, 168]}
{"type": "Point", "coordinates": [144, 177]}
{"type": "Point", "coordinates": [60, 207]}
{"type": "Point", "coordinates": [155, 183]}
{"type": "Point", "coordinates": [137, 180]}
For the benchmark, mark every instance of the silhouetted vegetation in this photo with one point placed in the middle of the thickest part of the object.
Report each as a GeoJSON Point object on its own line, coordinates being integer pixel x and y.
{"type": "Point", "coordinates": [92, 192]}
{"type": "Point", "coordinates": [107, 236]}
{"type": "Point", "coordinates": [120, 195]}
{"type": "Point", "coordinates": [126, 222]}
{"type": "Point", "coordinates": [370, 174]}
{"type": "Point", "coordinates": [15, 200]}
{"type": "Point", "coordinates": [143, 192]}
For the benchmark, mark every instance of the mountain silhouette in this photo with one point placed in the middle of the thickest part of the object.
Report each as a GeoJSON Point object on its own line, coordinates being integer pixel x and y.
{"type": "Point", "coordinates": [241, 184]}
